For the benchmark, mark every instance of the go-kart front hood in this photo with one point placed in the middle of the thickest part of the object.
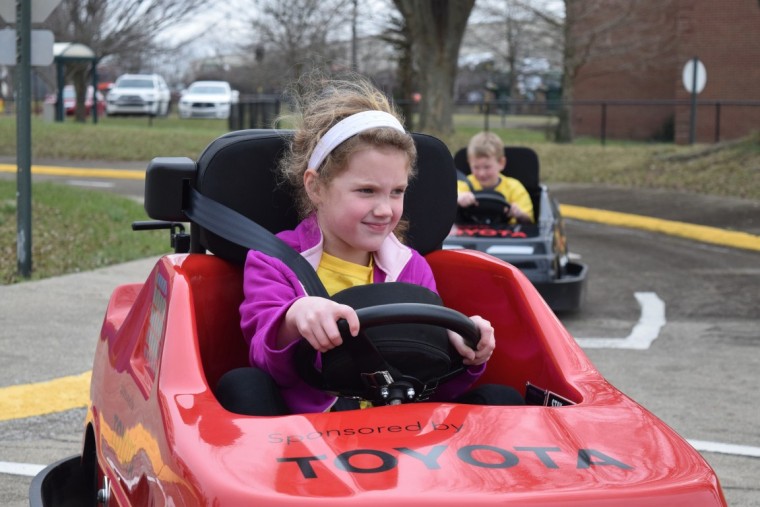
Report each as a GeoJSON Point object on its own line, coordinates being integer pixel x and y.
{"type": "Point", "coordinates": [447, 454]}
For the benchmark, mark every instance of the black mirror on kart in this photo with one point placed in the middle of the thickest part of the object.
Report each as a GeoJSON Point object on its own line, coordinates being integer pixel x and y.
{"type": "Point", "coordinates": [178, 238]}
{"type": "Point", "coordinates": [402, 352]}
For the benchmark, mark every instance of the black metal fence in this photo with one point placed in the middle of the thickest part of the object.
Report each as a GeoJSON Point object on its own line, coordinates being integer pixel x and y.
{"type": "Point", "coordinates": [662, 120]}
{"type": "Point", "coordinates": [254, 113]}
{"type": "Point", "coordinates": [658, 120]}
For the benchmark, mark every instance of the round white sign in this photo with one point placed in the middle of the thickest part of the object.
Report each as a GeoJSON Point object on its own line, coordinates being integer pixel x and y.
{"type": "Point", "coordinates": [691, 84]}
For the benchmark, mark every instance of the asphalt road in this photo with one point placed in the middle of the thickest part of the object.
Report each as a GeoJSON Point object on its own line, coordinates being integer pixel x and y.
{"type": "Point", "coordinates": [699, 374]}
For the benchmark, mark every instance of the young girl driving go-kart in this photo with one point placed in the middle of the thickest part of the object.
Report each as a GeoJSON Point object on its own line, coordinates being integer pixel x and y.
{"type": "Point", "coordinates": [350, 161]}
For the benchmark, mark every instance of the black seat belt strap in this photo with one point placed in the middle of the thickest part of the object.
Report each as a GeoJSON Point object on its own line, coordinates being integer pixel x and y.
{"type": "Point", "coordinates": [241, 230]}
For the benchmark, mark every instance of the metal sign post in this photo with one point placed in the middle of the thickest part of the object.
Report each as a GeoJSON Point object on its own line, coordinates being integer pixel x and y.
{"type": "Point", "coordinates": [24, 138]}
{"type": "Point", "coordinates": [694, 79]}
{"type": "Point", "coordinates": [25, 12]}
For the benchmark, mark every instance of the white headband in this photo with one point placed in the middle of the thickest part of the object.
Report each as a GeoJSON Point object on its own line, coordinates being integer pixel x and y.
{"type": "Point", "coordinates": [349, 127]}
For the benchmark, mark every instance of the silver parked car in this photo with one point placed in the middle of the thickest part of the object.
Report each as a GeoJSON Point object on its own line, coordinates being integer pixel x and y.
{"type": "Point", "coordinates": [207, 99]}
{"type": "Point", "coordinates": [145, 94]}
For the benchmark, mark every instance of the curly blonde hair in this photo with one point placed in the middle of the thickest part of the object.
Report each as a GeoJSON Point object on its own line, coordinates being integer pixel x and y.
{"type": "Point", "coordinates": [321, 103]}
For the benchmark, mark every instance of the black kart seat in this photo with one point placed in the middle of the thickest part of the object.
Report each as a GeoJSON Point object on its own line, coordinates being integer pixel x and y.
{"type": "Point", "coordinates": [239, 170]}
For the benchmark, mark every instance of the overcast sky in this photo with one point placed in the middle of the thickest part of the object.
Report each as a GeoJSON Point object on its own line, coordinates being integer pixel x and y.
{"type": "Point", "coordinates": [223, 27]}
{"type": "Point", "coordinates": [225, 24]}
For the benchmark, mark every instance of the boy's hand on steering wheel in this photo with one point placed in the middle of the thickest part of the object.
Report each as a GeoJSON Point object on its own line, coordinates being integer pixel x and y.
{"type": "Point", "coordinates": [518, 214]}
{"type": "Point", "coordinates": [315, 319]}
{"type": "Point", "coordinates": [465, 199]}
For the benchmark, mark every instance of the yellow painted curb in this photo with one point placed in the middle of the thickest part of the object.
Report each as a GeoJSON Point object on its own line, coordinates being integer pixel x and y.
{"type": "Point", "coordinates": [43, 398]}
{"type": "Point", "coordinates": [92, 172]}
{"type": "Point", "coordinates": [702, 233]}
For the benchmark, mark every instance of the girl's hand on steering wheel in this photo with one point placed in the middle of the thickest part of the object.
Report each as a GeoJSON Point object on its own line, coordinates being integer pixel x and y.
{"type": "Point", "coordinates": [315, 319]}
{"type": "Point", "coordinates": [485, 347]}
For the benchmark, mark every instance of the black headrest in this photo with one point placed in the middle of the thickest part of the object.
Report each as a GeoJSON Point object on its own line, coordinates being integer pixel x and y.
{"type": "Point", "coordinates": [522, 164]}
{"type": "Point", "coordinates": [239, 170]}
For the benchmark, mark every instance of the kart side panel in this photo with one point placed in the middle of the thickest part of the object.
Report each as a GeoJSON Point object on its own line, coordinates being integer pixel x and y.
{"type": "Point", "coordinates": [133, 438]}
{"type": "Point", "coordinates": [568, 293]}
{"type": "Point", "coordinates": [532, 345]}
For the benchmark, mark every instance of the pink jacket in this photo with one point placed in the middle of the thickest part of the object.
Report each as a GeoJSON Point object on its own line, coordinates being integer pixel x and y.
{"type": "Point", "coordinates": [270, 287]}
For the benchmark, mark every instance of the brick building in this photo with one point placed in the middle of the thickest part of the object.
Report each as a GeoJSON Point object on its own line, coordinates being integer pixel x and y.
{"type": "Point", "coordinates": [639, 53]}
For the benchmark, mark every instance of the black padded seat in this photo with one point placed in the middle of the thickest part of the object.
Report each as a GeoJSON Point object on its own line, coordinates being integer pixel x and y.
{"type": "Point", "coordinates": [239, 171]}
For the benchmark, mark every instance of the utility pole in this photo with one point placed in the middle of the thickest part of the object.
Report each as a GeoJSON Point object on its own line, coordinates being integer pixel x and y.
{"type": "Point", "coordinates": [33, 47]}
{"type": "Point", "coordinates": [24, 137]}
{"type": "Point", "coordinates": [354, 57]}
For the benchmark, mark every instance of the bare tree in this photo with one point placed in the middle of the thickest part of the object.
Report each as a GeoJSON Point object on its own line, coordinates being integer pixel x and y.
{"type": "Point", "coordinates": [579, 47]}
{"type": "Point", "coordinates": [396, 34]}
{"type": "Point", "coordinates": [436, 28]}
{"type": "Point", "coordinates": [291, 37]}
{"type": "Point", "coordinates": [125, 30]}
{"type": "Point", "coordinates": [600, 37]}
{"type": "Point", "coordinates": [515, 47]}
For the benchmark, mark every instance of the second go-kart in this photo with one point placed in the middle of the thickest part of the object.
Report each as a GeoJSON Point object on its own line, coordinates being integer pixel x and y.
{"type": "Point", "coordinates": [539, 250]}
{"type": "Point", "coordinates": [156, 434]}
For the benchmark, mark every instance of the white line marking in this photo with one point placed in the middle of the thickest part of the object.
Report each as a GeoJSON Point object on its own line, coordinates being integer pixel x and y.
{"type": "Point", "coordinates": [646, 330]}
{"type": "Point", "coordinates": [93, 184]}
{"type": "Point", "coordinates": [26, 469]}
{"type": "Point", "coordinates": [737, 450]}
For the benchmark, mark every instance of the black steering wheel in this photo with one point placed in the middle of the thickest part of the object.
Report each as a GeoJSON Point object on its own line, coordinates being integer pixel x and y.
{"type": "Point", "coordinates": [491, 209]}
{"type": "Point", "coordinates": [414, 313]}
{"type": "Point", "coordinates": [395, 372]}
{"type": "Point", "coordinates": [401, 354]}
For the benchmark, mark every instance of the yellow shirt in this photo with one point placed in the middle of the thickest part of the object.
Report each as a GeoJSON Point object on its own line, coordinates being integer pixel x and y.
{"type": "Point", "coordinates": [337, 274]}
{"type": "Point", "coordinates": [512, 190]}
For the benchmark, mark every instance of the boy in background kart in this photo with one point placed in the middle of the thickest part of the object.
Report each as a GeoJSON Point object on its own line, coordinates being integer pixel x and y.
{"type": "Point", "coordinates": [485, 155]}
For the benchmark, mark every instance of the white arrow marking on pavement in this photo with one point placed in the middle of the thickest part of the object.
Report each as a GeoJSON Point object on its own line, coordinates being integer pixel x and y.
{"type": "Point", "coordinates": [646, 330]}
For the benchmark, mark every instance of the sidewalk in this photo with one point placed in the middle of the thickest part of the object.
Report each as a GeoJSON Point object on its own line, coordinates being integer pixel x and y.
{"type": "Point", "coordinates": [60, 314]}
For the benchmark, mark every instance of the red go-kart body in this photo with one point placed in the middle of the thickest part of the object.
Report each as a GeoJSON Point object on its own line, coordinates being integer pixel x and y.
{"type": "Point", "coordinates": [161, 438]}
{"type": "Point", "coordinates": [155, 434]}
